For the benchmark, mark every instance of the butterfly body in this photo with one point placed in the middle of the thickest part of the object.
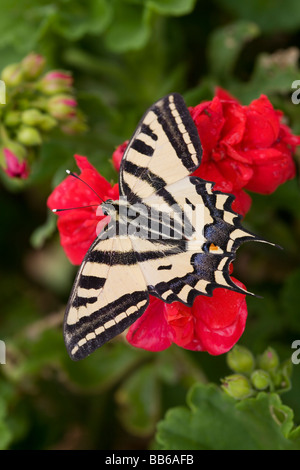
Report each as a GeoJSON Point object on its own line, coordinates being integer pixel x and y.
{"type": "Point", "coordinates": [170, 235]}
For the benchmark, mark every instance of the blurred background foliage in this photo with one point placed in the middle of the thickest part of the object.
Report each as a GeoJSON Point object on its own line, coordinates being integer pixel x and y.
{"type": "Point", "coordinates": [124, 55]}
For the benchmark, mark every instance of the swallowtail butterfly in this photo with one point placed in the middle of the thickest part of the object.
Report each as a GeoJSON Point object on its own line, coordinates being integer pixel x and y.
{"type": "Point", "coordinates": [169, 235]}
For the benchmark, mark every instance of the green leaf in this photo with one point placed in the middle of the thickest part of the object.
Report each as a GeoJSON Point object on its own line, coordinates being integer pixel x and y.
{"type": "Point", "coordinates": [271, 16]}
{"type": "Point", "coordinates": [172, 7]}
{"type": "Point", "coordinates": [5, 433]}
{"type": "Point", "coordinates": [215, 421]}
{"type": "Point", "coordinates": [130, 29]}
{"type": "Point", "coordinates": [139, 401]}
{"type": "Point", "coordinates": [42, 233]}
{"type": "Point", "coordinates": [226, 44]}
{"type": "Point", "coordinates": [23, 27]}
{"type": "Point", "coordinates": [104, 368]}
{"type": "Point", "coordinates": [273, 73]}
{"type": "Point", "coordinates": [80, 18]}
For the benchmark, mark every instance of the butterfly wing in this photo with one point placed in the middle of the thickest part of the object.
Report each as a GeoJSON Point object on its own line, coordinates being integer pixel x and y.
{"type": "Point", "coordinates": [164, 148]}
{"type": "Point", "coordinates": [108, 295]}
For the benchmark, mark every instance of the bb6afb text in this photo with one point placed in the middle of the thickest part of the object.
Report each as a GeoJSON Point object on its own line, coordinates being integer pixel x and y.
{"type": "Point", "coordinates": [152, 458]}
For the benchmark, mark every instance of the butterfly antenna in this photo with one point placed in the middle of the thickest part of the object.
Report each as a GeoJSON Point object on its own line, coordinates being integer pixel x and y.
{"type": "Point", "coordinates": [76, 176]}
{"type": "Point", "coordinates": [81, 207]}
{"type": "Point", "coordinates": [73, 208]}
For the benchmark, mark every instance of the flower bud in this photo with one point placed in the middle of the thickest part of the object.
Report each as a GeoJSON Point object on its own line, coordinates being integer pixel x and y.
{"type": "Point", "coordinates": [14, 167]}
{"type": "Point", "coordinates": [240, 359]}
{"type": "Point", "coordinates": [16, 148]}
{"type": "Point", "coordinates": [12, 75]}
{"type": "Point", "coordinates": [260, 379]}
{"type": "Point", "coordinates": [29, 136]}
{"type": "Point", "coordinates": [56, 82]}
{"type": "Point", "coordinates": [12, 118]}
{"type": "Point", "coordinates": [47, 123]}
{"type": "Point", "coordinates": [269, 360]}
{"type": "Point", "coordinates": [62, 107]}
{"type": "Point", "coordinates": [282, 376]}
{"type": "Point", "coordinates": [32, 117]}
{"type": "Point", "coordinates": [74, 126]}
{"type": "Point", "coordinates": [33, 65]}
{"type": "Point", "coordinates": [237, 386]}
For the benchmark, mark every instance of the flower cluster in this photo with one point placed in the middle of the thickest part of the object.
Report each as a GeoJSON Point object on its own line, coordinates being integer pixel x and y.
{"type": "Point", "coordinates": [253, 374]}
{"type": "Point", "coordinates": [35, 104]}
{"type": "Point", "coordinates": [244, 147]}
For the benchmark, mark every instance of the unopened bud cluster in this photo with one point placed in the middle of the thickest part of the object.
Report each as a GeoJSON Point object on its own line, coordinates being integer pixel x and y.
{"type": "Point", "coordinates": [254, 374]}
{"type": "Point", "coordinates": [36, 103]}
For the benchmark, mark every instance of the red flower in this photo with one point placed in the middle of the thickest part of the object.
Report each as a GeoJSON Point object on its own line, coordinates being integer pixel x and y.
{"type": "Point", "coordinates": [79, 228]}
{"type": "Point", "coordinates": [244, 147]}
{"type": "Point", "coordinates": [213, 324]}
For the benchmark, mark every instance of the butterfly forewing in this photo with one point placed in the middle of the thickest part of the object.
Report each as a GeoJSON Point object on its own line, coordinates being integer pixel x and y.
{"type": "Point", "coordinates": [164, 148]}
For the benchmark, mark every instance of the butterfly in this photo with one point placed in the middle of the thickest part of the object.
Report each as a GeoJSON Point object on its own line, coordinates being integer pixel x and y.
{"type": "Point", "coordinates": [169, 234]}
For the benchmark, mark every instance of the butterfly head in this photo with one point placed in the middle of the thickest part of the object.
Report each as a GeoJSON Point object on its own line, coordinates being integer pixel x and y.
{"type": "Point", "coordinates": [108, 207]}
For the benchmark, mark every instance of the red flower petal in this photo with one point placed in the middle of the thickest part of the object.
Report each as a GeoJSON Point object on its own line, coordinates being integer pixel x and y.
{"type": "Point", "coordinates": [225, 96]}
{"type": "Point", "coordinates": [78, 228]}
{"type": "Point", "coordinates": [209, 121]}
{"type": "Point", "coordinates": [214, 324]}
{"type": "Point", "coordinates": [118, 155]}
{"type": "Point", "coordinates": [242, 202]}
{"type": "Point", "coordinates": [270, 170]}
{"type": "Point", "coordinates": [235, 123]}
{"type": "Point", "coordinates": [181, 322]}
{"type": "Point", "coordinates": [209, 171]}
{"type": "Point", "coordinates": [262, 127]}
{"type": "Point", "coordinates": [236, 172]}
{"type": "Point", "coordinates": [220, 319]}
{"type": "Point", "coordinates": [151, 331]}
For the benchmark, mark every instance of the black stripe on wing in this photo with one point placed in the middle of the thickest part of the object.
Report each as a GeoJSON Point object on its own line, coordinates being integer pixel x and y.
{"type": "Point", "coordinates": [75, 335]}
{"type": "Point", "coordinates": [226, 231]}
{"type": "Point", "coordinates": [129, 258]}
{"type": "Point", "coordinates": [169, 120]}
{"type": "Point", "coordinates": [165, 116]}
